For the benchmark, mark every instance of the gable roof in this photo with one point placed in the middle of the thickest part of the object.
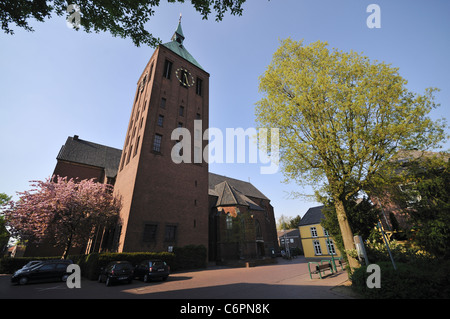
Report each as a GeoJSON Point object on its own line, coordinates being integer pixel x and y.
{"type": "Point", "coordinates": [80, 151]}
{"type": "Point", "coordinates": [230, 196]}
{"type": "Point", "coordinates": [243, 187]}
{"type": "Point", "coordinates": [313, 216]}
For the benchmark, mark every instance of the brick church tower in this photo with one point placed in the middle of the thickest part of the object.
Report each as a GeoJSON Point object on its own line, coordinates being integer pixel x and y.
{"type": "Point", "coordinates": [164, 204]}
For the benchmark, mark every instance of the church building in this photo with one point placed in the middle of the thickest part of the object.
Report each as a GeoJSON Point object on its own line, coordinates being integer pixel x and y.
{"type": "Point", "coordinates": [167, 204]}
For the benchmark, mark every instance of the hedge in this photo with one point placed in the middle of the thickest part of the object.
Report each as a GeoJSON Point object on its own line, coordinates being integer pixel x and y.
{"type": "Point", "coordinates": [414, 280]}
{"type": "Point", "coordinates": [187, 257]}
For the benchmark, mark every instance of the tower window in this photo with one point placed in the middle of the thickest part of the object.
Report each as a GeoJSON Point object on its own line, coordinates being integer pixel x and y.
{"type": "Point", "coordinates": [199, 87]}
{"type": "Point", "coordinates": [160, 120]}
{"type": "Point", "coordinates": [137, 145]}
{"type": "Point", "coordinates": [171, 232]}
{"type": "Point", "coordinates": [150, 232]}
{"type": "Point", "coordinates": [157, 143]}
{"type": "Point", "coordinates": [163, 103]}
{"type": "Point", "coordinates": [167, 69]}
{"type": "Point", "coordinates": [181, 111]}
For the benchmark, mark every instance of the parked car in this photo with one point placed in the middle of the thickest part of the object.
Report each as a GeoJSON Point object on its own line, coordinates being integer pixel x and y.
{"type": "Point", "coordinates": [45, 270]}
{"type": "Point", "coordinates": [152, 269]}
{"type": "Point", "coordinates": [116, 271]}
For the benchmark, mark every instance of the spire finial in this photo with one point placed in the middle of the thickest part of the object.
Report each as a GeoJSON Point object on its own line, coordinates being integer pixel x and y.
{"type": "Point", "coordinates": [180, 17]}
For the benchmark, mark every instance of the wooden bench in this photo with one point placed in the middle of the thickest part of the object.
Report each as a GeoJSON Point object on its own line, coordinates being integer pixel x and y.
{"type": "Point", "coordinates": [319, 268]}
{"type": "Point", "coordinates": [337, 262]}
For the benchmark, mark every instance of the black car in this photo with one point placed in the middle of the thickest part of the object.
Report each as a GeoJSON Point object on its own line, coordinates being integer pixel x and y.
{"type": "Point", "coordinates": [116, 271]}
{"type": "Point", "coordinates": [46, 270]}
{"type": "Point", "coordinates": [151, 269]}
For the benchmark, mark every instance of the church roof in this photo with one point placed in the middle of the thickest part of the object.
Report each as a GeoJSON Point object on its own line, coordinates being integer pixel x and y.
{"type": "Point", "coordinates": [230, 196]}
{"type": "Point", "coordinates": [80, 151]}
{"type": "Point", "coordinates": [229, 191]}
{"type": "Point", "coordinates": [177, 46]}
{"type": "Point", "coordinates": [244, 188]}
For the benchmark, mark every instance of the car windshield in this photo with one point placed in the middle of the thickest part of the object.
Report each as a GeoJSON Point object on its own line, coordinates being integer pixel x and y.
{"type": "Point", "coordinates": [123, 266]}
{"type": "Point", "coordinates": [158, 263]}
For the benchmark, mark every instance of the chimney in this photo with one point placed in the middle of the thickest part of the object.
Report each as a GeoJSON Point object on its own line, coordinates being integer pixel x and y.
{"type": "Point", "coordinates": [75, 137]}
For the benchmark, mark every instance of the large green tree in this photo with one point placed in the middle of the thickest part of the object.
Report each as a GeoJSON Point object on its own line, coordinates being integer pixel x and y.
{"type": "Point", "coordinates": [126, 19]}
{"type": "Point", "coordinates": [341, 117]}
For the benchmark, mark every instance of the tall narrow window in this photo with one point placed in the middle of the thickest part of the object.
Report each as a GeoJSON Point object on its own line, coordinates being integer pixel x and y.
{"type": "Point", "coordinates": [181, 111]}
{"type": "Point", "coordinates": [199, 87]}
{"type": "Point", "coordinates": [163, 103]}
{"type": "Point", "coordinates": [137, 145]}
{"type": "Point", "coordinates": [157, 143]}
{"type": "Point", "coordinates": [171, 233]}
{"type": "Point", "coordinates": [313, 232]}
{"type": "Point", "coordinates": [331, 248]}
{"type": "Point", "coordinates": [167, 69]}
{"type": "Point", "coordinates": [149, 232]}
{"type": "Point", "coordinates": [160, 120]}
{"type": "Point", "coordinates": [317, 249]}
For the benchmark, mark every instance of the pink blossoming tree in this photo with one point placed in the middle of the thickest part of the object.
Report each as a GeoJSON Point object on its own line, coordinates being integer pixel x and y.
{"type": "Point", "coordinates": [65, 212]}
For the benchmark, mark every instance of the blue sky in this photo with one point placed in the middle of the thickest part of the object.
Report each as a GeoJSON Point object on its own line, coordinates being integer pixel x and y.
{"type": "Point", "coordinates": [56, 82]}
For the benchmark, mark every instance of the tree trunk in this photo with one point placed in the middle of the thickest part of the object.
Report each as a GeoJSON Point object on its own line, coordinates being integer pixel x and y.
{"type": "Point", "coordinates": [68, 245]}
{"type": "Point", "coordinates": [347, 234]}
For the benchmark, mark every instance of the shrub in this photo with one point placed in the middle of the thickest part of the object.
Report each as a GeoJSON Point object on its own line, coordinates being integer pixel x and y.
{"type": "Point", "coordinates": [420, 279]}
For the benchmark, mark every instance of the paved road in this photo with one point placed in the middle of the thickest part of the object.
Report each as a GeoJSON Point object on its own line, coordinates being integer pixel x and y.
{"type": "Point", "coordinates": [284, 280]}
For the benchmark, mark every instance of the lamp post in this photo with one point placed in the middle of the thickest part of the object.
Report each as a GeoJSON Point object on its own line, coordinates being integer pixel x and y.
{"type": "Point", "coordinates": [329, 250]}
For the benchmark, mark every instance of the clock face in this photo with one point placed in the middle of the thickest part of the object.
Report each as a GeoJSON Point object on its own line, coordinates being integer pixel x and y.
{"type": "Point", "coordinates": [186, 79]}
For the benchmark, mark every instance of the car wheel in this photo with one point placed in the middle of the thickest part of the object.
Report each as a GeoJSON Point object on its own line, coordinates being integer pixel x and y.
{"type": "Point", "coordinates": [108, 282]}
{"type": "Point", "coordinates": [23, 280]}
{"type": "Point", "coordinates": [165, 278]}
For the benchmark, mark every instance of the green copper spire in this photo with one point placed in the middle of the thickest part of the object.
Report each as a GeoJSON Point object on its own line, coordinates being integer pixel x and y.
{"type": "Point", "coordinates": [177, 46]}
{"type": "Point", "coordinates": [178, 35]}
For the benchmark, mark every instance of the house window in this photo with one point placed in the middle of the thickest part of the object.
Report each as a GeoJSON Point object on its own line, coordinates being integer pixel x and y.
{"type": "Point", "coordinates": [199, 87]}
{"type": "Point", "coordinates": [331, 248]}
{"type": "Point", "coordinates": [326, 233]}
{"type": "Point", "coordinates": [317, 249]}
{"type": "Point", "coordinates": [167, 69]}
{"type": "Point", "coordinates": [313, 231]}
{"type": "Point", "coordinates": [163, 103]}
{"type": "Point", "coordinates": [150, 232]}
{"type": "Point", "coordinates": [157, 143]}
{"type": "Point", "coordinates": [171, 232]}
{"type": "Point", "coordinates": [160, 120]}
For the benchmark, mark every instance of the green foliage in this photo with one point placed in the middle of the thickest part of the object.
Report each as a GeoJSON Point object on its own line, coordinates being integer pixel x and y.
{"type": "Point", "coordinates": [341, 118]}
{"type": "Point", "coordinates": [126, 19]}
{"type": "Point", "coordinates": [431, 214]}
{"type": "Point", "coordinates": [362, 218]}
{"type": "Point", "coordinates": [424, 279]}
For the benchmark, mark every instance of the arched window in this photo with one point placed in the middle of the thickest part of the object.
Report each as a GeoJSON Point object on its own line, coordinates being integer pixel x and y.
{"type": "Point", "coordinates": [258, 229]}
